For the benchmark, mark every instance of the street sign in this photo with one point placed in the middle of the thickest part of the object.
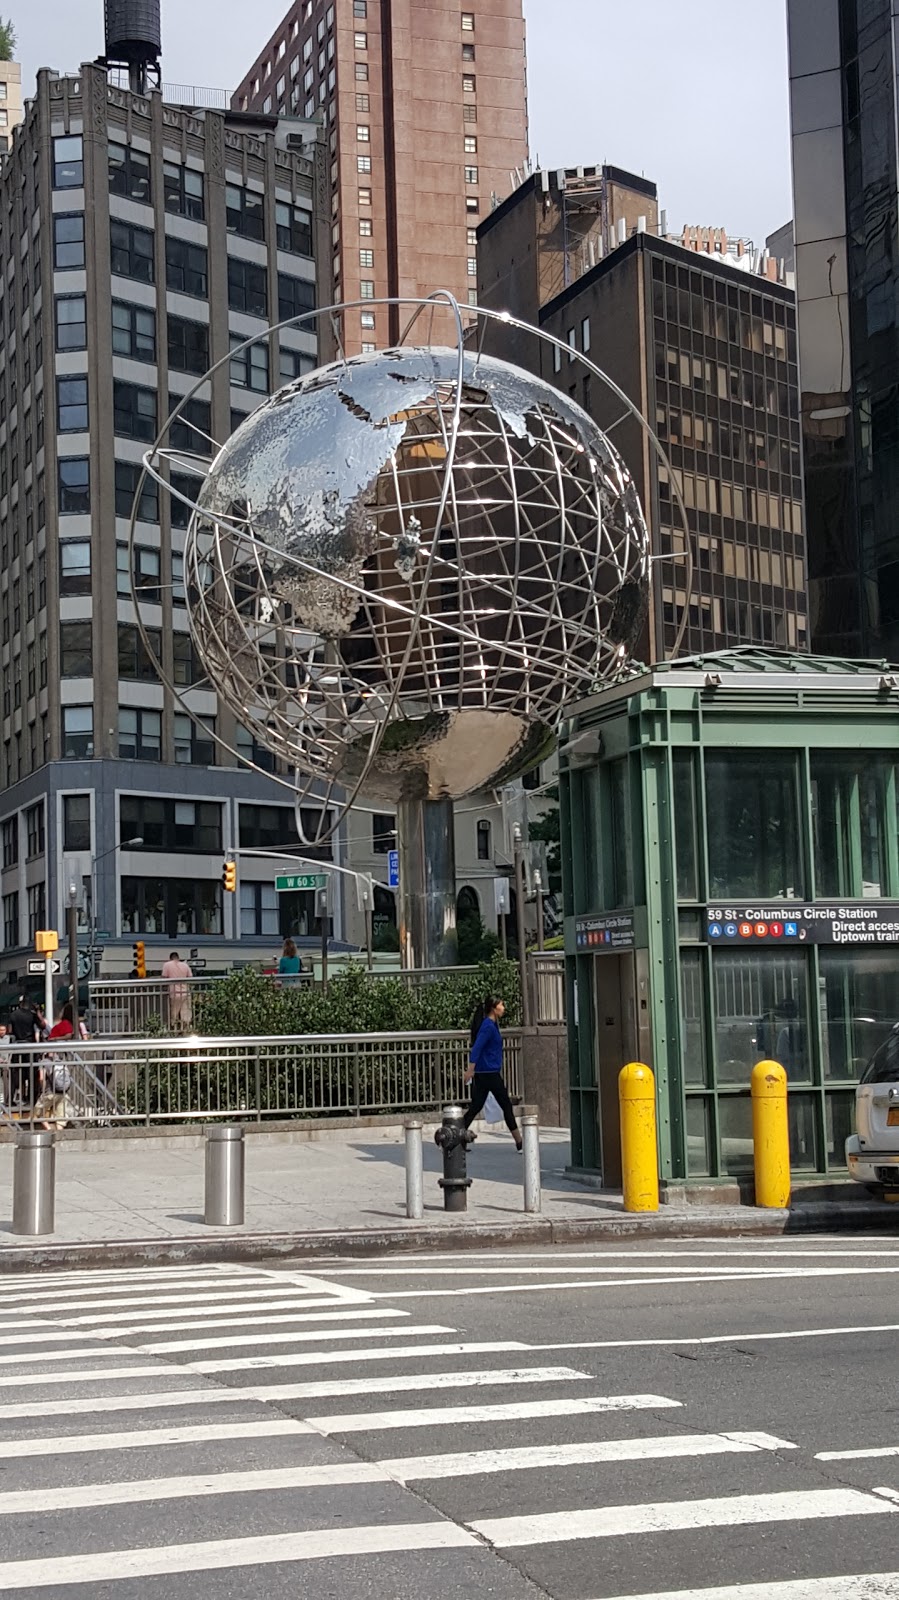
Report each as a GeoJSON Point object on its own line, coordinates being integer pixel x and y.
{"type": "Point", "coordinates": [95, 950]}
{"type": "Point", "coordinates": [197, 964]}
{"type": "Point", "coordinates": [286, 883]}
{"type": "Point", "coordinates": [393, 869]}
{"type": "Point", "coordinates": [99, 935]}
{"type": "Point", "coordinates": [36, 969]}
{"type": "Point", "coordinates": [501, 899]}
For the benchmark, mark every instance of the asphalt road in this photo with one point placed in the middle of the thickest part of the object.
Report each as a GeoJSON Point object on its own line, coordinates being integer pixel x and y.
{"type": "Point", "coordinates": [707, 1419]}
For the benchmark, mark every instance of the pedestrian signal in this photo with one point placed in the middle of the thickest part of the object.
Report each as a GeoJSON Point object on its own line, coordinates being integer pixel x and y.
{"type": "Point", "coordinates": [140, 959]}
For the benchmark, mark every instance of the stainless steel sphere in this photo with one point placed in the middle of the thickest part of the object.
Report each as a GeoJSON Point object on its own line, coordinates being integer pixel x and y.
{"type": "Point", "coordinates": [404, 564]}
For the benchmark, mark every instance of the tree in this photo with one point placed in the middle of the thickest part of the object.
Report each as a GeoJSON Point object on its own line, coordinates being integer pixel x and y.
{"type": "Point", "coordinates": [7, 41]}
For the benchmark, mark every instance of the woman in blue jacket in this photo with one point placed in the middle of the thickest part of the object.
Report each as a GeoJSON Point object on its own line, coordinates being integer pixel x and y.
{"type": "Point", "coordinates": [486, 1069]}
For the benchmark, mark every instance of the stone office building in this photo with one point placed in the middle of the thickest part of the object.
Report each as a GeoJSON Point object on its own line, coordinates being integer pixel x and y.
{"type": "Point", "coordinates": [139, 240]}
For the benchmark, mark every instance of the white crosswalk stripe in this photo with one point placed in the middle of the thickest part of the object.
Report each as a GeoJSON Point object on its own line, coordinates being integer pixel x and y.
{"type": "Point", "coordinates": [513, 1430]}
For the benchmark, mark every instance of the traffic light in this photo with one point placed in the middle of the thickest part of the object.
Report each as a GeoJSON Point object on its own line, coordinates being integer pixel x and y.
{"type": "Point", "coordinates": [140, 959]}
{"type": "Point", "coordinates": [229, 877]}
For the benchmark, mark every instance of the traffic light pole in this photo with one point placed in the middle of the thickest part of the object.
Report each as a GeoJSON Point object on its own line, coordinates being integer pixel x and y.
{"type": "Point", "coordinates": [73, 960]}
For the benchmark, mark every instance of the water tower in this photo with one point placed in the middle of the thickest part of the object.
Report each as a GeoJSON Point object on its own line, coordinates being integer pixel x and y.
{"type": "Point", "coordinates": [134, 41]}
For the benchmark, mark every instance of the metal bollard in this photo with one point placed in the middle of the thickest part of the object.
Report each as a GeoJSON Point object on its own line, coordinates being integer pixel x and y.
{"type": "Point", "coordinates": [639, 1143]}
{"type": "Point", "coordinates": [225, 1168]}
{"type": "Point", "coordinates": [530, 1133]}
{"type": "Point", "coordinates": [453, 1139]}
{"type": "Point", "coordinates": [415, 1196]}
{"type": "Point", "coordinates": [771, 1135]}
{"type": "Point", "coordinates": [34, 1183]}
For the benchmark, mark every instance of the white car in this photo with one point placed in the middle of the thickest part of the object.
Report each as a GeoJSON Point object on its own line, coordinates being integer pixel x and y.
{"type": "Point", "coordinates": [872, 1152]}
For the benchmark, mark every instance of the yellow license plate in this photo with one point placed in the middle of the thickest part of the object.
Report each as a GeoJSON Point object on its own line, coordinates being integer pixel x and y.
{"type": "Point", "coordinates": [893, 1117]}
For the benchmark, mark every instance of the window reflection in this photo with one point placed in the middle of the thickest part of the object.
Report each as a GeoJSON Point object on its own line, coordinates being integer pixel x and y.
{"type": "Point", "coordinates": [753, 826]}
{"type": "Point", "coordinates": [761, 1013]}
{"type": "Point", "coordinates": [858, 1007]}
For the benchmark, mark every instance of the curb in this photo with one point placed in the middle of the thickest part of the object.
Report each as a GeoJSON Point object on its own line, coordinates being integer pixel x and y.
{"type": "Point", "coordinates": [825, 1217]}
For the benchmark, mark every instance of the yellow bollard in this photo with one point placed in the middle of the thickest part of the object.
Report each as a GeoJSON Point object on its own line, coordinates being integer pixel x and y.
{"type": "Point", "coordinates": [771, 1135]}
{"type": "Point", "coordinates": [639, 1145]}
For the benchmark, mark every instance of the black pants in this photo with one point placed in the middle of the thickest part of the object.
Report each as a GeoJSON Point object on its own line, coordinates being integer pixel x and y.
{"type": "Point", "coordinates": [484, 1084]}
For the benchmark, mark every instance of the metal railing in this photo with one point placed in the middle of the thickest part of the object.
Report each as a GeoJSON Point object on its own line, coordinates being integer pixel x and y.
{"type": "Point", "coordinates": [547, 976]}
{"type": "Point", "coordinates": [122, 1009]}
{"type": "Point", "coordinates": [157, 1081]}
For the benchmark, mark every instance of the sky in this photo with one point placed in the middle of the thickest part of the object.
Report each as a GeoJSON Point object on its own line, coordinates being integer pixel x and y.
{"type": "Point", "coordinates": [682, 91]}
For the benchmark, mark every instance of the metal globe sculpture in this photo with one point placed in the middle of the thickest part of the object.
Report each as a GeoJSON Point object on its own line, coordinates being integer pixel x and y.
{"type": "Point", "coordinates": [399, 569]}
{"type": "Point", "coordinates": [404, 564]}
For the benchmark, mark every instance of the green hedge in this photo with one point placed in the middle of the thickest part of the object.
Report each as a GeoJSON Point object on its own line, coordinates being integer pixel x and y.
{"type": "Point", "coordinates": [249, 1005]}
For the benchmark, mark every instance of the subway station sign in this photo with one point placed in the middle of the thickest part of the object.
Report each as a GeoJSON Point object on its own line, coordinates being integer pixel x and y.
{"type": "Point", "coordinates": [791, 923]}
{"type": "Point", "coordinates": [605, 935]}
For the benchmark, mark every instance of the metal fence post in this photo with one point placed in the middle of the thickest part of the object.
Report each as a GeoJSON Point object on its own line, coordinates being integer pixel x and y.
{"type": "Point", "coordinates": [415, 1198]}
{"type": "Point", "coordinates": [225, 1171]}
{"type": "Point", "coordinates": [34, 1183]}
{"type": "Point", "coordinates": [530, 1132]}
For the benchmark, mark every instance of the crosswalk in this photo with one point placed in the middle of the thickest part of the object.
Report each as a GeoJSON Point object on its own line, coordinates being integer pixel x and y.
{"type": "Point", "coordinates": [186, 1420]}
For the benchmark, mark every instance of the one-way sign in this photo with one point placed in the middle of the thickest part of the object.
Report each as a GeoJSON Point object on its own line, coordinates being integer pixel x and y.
{"type": "Point", "coordinates": [36, 969]}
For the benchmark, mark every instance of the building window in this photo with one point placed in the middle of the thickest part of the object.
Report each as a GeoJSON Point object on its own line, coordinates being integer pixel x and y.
{"type": "Point", "coordinates": [77, 732]}
{"type": "Point", "coordinates": [361, 71]}
{"type": "Point", "coordinates": [383, 833]}
{"type": "Point", "coordinates": [472, 266]}
{"type": "Point", "coordinates": [363, 102]}
{"type": "Point", "coordinates": [367, 319]}
{"type": "Point", "coordinates": [129, 172]}
{"type": "Point", "coordinates": [360, 41]}
{"type": "Point", "coordinates": [368, 348]}
{"type": "Point", "coordinates": [76, 822]}
{"type": "Point", "coordinates": [194, 746]}
{"type": "Point", "coordinates": [75, 649]}
{"type": "Point", "coordinates": [134, 411]}
{"type": "Point", "coordinates": [186, 669]}
{"type": "Point", "coordinates": [366, 289]}
{"type": "Point", "coordinates": [469, 83]}
{"type": "Point", "coordinates": [11, 907]}
{"type": "Point", "coordinates": [35, 832]}
{"type": "Point", "coordinates": [471, 144]}
{"type": "Point", "coordinates": [188, 345]}
{"type": "Point", "coordinates": [366, 258]}
{"type": "Point", "coordinates": [184, 492]}
{"type": "Point", "coordinates": [36, 908]}
{"type": "Point", "coordinates": [468, 22]}
{"type": "Point", "coordinates": [483, 841]}
{"type": "Point", "coordinates": [254, 754]}
{"type": "Point", "coordinates": [172, 825]}
{"type": "Point", "coordinates": [360, 9]}
{"type": "Point", "coordinates": [293, 364]}
{"type": "Point", "coordinates": [468, 52]}
{"type": "Point", "coordinates": [131, 251]}
{"type": "Point", "coordinates": [365, 197]}
{"type": "Point", "coordinates": [365, 227]}
{"type": "Point", "coordinates": [472, 203]}
{"type": "Point", "coordinates": [177, 907]}
{"type": "Point", "coordinates": [140, 734]}
{"type": "Point", "coordinates": [68, 241]}
{"type": "Point", "coordinates": [179, 593]}
{"type": "Point", "coordinates": [10, 842]}
{"type": "Point", "coordinates": [71, 322]}
{"type": "Point", "coordinates": [245, 212]}
{"type": "Point", "coordinates": [585, 335]}
{"type": "Point", "coordinates": [71, 405]}
{"type": "Point", "coordinates": [293, 229]}
{"type": "Point", "coordinates": [74, 486]}
{"type": "Point", "coordinates": [191, 428]}
{"type": "Point", "coordinates": [247, 287]}
{"type": "Point", "coordinates": [133, 331]}
{"type": "Point", "coordinates": [249, 367]}
{"type": "Point", "coordinates": [68, 163]}
{"type": "Point", "coordinates": [128, 476]}
{"type": "Point", "coordinates": [267, 827]}
{"type": "Point", "coordinates": [363, 163]}
{"type": "Point", "coordinates": [147, 572]}
{"type": "Point", "coordinates": [260, 910]}
{"type": "Point", "coordinates": [186, 267]}
{"type": "Point", "coordinates": [136, 662]}
{"type": "Point", "coordinates": [75, 567]}
{"type": "Point", "coordinates": [295, 295]}
{"type": "Point", "coordinates": [471, 174]}
{"type": "Point", "coordinates": [363, 133]}
{"type": "Point", "coordinates": [472, 237]}
{"type": "Point", "coordinates": [183, 191]}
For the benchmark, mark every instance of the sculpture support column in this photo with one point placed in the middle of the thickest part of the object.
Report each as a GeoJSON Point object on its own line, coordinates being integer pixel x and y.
{"type": "Point", "coordinates": [427, 883]}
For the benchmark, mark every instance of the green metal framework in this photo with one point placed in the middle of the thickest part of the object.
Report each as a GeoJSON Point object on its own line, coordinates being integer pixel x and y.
{"type": "Point", "coordinates": [665, 768]}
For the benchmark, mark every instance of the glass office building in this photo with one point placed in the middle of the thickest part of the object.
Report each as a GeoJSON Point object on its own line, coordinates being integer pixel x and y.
{"type": "Point", "coordinates": [844, 95]}
{"type": "Point", "coordinates": [731, 862]}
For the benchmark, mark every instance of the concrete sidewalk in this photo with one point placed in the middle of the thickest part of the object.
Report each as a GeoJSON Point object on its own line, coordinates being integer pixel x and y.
{"type": "Point", "coordinates": [344, 1192]}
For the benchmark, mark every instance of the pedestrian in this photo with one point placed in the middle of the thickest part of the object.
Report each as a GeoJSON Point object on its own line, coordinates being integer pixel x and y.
{"type": "Point", "coordinates": [23, 1064]}
{"type": "Point", "coordinates": [485, 1069]}
{"type": "Point", "coordinates": [289, 964]}
{"type": "Point", "coordinates": [5, 1058]}
{"type": "Point", "coordinates": [177, 973]}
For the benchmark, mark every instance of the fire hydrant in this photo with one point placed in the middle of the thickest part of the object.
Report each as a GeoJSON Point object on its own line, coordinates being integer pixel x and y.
{"type": "Point", "coordinates": [453, 1138]}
